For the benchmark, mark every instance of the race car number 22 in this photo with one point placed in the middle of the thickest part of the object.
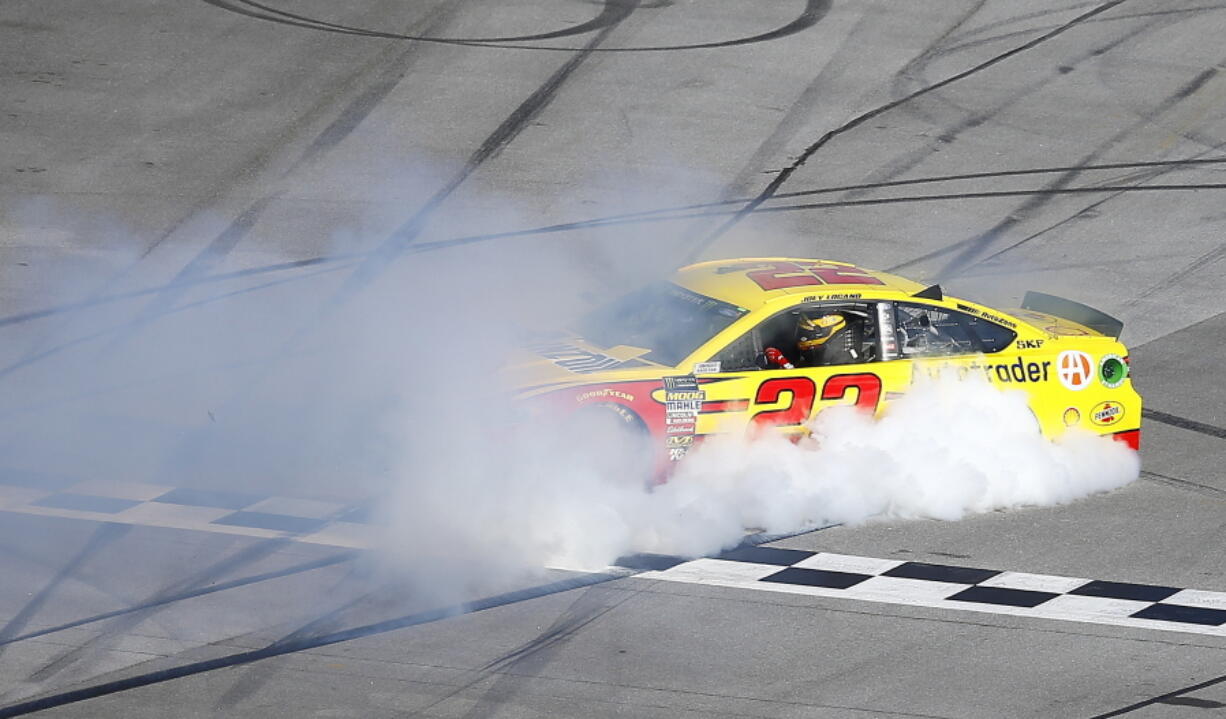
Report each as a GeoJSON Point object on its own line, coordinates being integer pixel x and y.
{"type": "Point", "coordinates": [804, 394]}
{"type": "Point", "coordinates": [781, 275]}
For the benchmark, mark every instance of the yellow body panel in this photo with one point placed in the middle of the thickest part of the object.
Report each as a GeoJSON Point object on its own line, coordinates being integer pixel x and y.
{"type": "Point", "coordinates": [1056, 362]}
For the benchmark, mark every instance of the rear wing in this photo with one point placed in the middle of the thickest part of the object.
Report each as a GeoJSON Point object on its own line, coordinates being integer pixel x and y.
{"type": "Point", "coordinates": [1074, 312]}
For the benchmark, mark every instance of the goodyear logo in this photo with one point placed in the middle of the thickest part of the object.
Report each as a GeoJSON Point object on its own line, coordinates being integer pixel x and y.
{"type": "Point", "coordinates": [1107, 413]}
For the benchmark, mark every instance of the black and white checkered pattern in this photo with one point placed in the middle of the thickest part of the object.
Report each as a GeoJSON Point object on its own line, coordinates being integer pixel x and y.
{"type": "Point", "coordinates": [961, 588]}
{"type": "Point", "coordinates": [257, 515]}
{"type": "Point", "coordinates": [759, 568]}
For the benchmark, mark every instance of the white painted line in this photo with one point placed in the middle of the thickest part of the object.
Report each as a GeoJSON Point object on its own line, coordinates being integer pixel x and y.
{"type": "Point", "coordinates": [849, 564]}
{"type": "Point", "coordinates": [308, 508]}
{"type": "Point", "coordinates": [136, 491]}
{"type": "Point", "coordinates": [903, 591]}
{"type": "Point", "coordinates": [1034, 582]}
{"type": "Point", "coordinates": [715, 570]}
{"type": "Point", "coordinates": [11, 496]}
{"type": "Point", "coordinates": [1197, 598]}
{"type": "Point", "coordinates": [173, 516]}
{"type": "Point", "coordinates": [1072, 605]}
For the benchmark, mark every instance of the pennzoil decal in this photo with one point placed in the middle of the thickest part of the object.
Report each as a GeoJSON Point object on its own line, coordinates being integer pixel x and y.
{"type": "Point", "coordinates": [682, 404]}
{"type": "Point", "coordinates": [1107, 413]}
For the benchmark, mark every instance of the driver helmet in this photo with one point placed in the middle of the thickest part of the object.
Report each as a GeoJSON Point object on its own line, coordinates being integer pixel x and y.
{"type": "Point", "coordinates": [814, 332]}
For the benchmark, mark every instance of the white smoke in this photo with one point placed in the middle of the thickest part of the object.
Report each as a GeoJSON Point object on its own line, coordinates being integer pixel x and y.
{"type": "Point", "coordinates": [950, 447]}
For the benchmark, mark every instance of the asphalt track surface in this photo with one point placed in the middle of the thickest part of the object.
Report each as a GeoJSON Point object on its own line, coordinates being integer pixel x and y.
{"type": "Point", "coordinates": [294, 162]}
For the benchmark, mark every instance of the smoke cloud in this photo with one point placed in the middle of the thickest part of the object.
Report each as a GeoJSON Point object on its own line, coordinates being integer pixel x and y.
{"type": "Point", "coordinates": [294, 383]}
{"type": "Point", "coordinates": [950, 447]}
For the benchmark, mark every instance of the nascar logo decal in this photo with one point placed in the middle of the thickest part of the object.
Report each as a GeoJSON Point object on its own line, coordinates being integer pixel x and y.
{"type": "Point", "coordinates": [1075, 369]}
{"type": "Point", "coordinates": [1107, 413]}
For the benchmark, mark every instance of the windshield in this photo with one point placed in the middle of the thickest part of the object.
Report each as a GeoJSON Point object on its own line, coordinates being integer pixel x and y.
{"type": "Point", "coordinates": [670, 321]}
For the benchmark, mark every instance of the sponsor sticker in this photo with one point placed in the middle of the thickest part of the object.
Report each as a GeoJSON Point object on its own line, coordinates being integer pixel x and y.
{"type": "Point", "coordinates": [1075, 369]}
{"type": "Point", "coordinates": [682, 404]}
{"type": "Point", "coordinates": [1107, 413]}
{"type": "Point", "coordinates": [1112, 370]}
{"type": "Point", "coordinates": [605, 393]}
{"type": "Point", "coordinates": [1072, 416]}
{"type": "Point", "coordinates": [707, 367]}
{"type": "Point", "coordinates": [1030, 344]}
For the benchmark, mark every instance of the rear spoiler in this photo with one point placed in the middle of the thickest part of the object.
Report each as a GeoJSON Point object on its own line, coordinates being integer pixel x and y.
{"type": "Point", "coordinates": [1074, 312]}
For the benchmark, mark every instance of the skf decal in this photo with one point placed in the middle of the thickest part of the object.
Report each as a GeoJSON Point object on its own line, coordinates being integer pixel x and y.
{"type": "Point", "coordinates": [1075, 369]}
{"type": "Point", "coordinates": [1030, 344]}
{"type": "Point", "coordinates": [605, 393]}
{"type": "Point", "coordinates": [682, 404]}
{"type": "Point", "coordinates": [1107, 413]}
{"type": "Point", "coordinates": [570, 357]}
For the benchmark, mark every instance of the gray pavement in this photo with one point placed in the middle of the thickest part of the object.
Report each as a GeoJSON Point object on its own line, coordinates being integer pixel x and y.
{"type": "Point", "coordinates": [208, 206]}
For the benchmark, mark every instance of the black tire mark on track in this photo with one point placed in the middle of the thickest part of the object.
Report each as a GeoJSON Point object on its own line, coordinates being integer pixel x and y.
{"type": "Point", "coordinates": [1199, 263]}
{"type": "Point", "coordinates": [855, 122]}
{"type": "Point", "coordinates": [125, 326]}
{"type": "Point", "coordinates": [813, 12]}
{"type": "Point", "coordinates": [283, 647]}
{"type": "Point", "coordinates": [953, 196]}
{"type": "Point", "coordinates": [1141, 177]}
{"type": "Point", "coordinates": [591, 222]}
{"type": "Point", "coordinates": [103, 536]}
{"type": "Point", "coordinates": [1115, 18]}
{"type": "Point", "coordinates": [972, 247]}
{"type": "Point", "coordinates": [502, 136]}
{"type": "Point", "coordinates": [1161, 698]}
{"type": "Point", "coordinates": [1144, 177]}
{"type": "Point", "coordinates": [1184, 484]}
{"type": "Point", "coordinates": [1184, 423]}
{"type": "Point", "coordinates": [610, 14]}
{"type": "Point", "coordinates": [181, 596]}
{"type": "Point", "coordinates": [206, 279]}
{"type": "Point", "coordinates": [391, 66]}
{"type": "Point", "coordinates": [975, 118]}
{"type": "Point", "coordinates": [581, 613]}
{"type": "Point", "coordinates": [130, 620]}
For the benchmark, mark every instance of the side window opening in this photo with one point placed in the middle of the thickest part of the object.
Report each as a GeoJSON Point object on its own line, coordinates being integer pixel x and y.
{"type": "Point", "coordinates": [809, 336]}
{"type": "Point", "coordinates": [928, 331]}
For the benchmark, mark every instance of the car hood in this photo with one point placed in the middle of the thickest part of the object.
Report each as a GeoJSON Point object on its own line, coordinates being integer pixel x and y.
{"type": "Point", "coordinates": [563, 360]}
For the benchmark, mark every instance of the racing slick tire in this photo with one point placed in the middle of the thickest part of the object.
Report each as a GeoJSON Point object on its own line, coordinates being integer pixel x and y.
{"type": "Point", "coordinates": [613, 441]}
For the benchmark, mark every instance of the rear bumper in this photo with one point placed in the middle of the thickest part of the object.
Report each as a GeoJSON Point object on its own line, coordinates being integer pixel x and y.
{"type": "Point", "coordinates": [1131, 437]}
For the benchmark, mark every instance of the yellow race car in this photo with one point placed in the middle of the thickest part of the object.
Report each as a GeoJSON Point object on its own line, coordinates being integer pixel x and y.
{"type": "Point", "coordinates": [730, 345]}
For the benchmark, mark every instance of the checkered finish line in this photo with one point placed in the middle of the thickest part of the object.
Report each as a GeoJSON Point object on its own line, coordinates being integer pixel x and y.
{"type": "Point", "coordinates": [155, 505]}
{"type": "Point", "coordinates": [759, 568]}
{"type": "Point", "coordinates": [823, 574]}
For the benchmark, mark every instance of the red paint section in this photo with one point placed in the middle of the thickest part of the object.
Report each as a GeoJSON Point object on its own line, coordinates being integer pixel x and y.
{"type": "Point", "coordinates": [1132, 438]}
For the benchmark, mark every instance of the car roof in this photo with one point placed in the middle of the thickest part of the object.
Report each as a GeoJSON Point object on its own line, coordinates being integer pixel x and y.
{"type": "Point", "coordinates": [751, 282]}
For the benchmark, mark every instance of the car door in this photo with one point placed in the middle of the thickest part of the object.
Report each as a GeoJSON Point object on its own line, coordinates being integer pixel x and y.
{"type": "Point", "coordinates": [748, 393]}
{"type": "Point", "coordinates": [932, 337]}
